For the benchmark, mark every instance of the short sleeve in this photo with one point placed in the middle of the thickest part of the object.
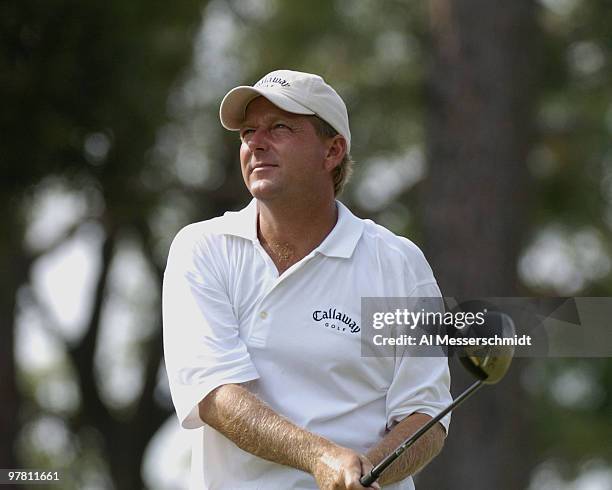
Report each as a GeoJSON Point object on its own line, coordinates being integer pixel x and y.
{"type": "Point", "coordinates": [202, 346]}
{"type": "Point", "coordinates": [420, 384]}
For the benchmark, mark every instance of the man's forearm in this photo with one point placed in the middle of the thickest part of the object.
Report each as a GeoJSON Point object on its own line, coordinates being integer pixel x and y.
{"type": "Point", "coordinates": [415, 457]}
{"type": "Point", "coordinates": [254, 427]}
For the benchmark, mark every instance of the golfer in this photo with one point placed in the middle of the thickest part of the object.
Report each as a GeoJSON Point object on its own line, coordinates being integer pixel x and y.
{"type": "Point", "coordinates": [262, 318]}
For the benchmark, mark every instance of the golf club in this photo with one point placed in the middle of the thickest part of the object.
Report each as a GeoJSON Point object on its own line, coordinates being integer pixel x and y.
{"type": "Point", "coordinates": [488, 363]}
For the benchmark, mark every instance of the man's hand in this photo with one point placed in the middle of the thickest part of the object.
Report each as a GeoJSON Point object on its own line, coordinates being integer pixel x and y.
{"type": "Point", "coordinates": [339, 468]}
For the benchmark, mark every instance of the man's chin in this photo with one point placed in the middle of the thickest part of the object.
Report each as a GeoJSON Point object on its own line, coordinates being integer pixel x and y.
{"type": "Point", "coordinates": [263, 190]}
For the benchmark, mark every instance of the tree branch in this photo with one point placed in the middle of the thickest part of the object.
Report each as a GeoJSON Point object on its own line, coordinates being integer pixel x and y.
{"type": "Point", "coordinates": [82, 354]}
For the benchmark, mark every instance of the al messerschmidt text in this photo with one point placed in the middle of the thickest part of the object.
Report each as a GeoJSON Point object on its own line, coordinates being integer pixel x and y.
{"type": "Point", "coordinates": [451, 341]}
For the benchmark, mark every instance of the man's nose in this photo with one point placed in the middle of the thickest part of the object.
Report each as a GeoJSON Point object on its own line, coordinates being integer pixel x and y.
{"type": "Point", "coordinates": [258, 140]}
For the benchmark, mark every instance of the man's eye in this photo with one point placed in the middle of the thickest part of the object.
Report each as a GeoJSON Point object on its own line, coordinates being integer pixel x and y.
{"type": "Point", "coordinates": [246, 132]}
{"type": "Point", "coordinates": [280, 126]}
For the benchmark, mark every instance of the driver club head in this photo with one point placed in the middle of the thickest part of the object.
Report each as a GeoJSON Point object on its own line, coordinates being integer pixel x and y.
{"type": "Point", "coordinates": [488, 363]}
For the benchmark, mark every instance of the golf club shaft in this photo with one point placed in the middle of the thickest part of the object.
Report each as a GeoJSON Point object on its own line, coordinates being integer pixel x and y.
{"type": "Point", "coordinates": [373, 475]}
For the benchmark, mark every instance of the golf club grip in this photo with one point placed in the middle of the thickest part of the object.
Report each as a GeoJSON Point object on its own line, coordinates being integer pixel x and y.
{"type": "Point", "coordinates": [367, 480]}
{"type": "Point", "coordinates": [372, 476]}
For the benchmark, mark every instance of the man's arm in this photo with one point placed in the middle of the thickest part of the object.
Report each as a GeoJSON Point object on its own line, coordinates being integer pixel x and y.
{"type": "Point", "coordinates": [254, 427]}
{"type": "Point", "coordinates": [415, 457]}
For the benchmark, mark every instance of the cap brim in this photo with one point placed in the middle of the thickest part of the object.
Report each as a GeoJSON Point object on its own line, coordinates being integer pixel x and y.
{"type": "Point", "coordinates": [233, 106]}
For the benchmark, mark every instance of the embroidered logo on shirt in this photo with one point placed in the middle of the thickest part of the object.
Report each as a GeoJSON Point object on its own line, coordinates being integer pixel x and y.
{"type": "Point", "coordinates": [336, 320]}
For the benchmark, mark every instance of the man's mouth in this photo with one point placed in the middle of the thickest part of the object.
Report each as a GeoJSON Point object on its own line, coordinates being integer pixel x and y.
{"type": "Point", "coordinates": [262, 166]}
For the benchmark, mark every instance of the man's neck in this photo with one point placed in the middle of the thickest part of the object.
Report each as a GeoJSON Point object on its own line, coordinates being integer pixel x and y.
{"type": "Point", "coordinates": [290, 232]}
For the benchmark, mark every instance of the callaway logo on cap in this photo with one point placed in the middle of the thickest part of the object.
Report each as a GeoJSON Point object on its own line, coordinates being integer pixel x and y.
{"type": "Point", "coordinates": [271, 80]}
{"type": "Point", "coordinates": [292, 91]}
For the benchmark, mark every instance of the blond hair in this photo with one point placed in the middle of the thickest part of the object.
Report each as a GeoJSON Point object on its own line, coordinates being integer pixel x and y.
{"type": "Point", "coordinates": [342, 173]}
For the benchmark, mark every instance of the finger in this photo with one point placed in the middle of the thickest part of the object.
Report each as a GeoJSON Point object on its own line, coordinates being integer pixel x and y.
{"type": "Point", "coordinates": [351, 480]}
{"type": "Point", "coordinates": [366, 466]}
{"type": "Point", "coordinates": [353, 474]}
{"type": "Point", "coordinates": [355, 484]}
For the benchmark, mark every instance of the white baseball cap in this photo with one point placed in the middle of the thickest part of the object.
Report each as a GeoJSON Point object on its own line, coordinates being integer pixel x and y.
{"type": "Point", "coordinates": [292, 91]}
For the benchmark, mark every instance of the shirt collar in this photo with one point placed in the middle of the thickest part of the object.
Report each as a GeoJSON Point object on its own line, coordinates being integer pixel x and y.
{"type": "Point", "coordinates": [343, 238]}
{"type": "Point", "coordinates": [340, 242]}
{"type": "Point", "coordinates": [242, 223]}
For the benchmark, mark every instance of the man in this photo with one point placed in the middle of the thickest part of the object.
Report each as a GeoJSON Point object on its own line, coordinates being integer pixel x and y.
{"type": "Point", "coordinates": [262, 313]}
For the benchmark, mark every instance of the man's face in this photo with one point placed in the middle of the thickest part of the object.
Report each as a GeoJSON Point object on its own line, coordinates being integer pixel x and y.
{"type": "Point", "coordinates": [281, 155]}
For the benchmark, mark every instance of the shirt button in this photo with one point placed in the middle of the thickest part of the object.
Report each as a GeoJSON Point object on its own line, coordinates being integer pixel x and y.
{"type": "Point", "coordinates": [263, 315]}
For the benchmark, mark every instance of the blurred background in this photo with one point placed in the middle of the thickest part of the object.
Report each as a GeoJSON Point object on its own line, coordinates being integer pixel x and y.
{"type": "Point", "coordinates": [482, 131]}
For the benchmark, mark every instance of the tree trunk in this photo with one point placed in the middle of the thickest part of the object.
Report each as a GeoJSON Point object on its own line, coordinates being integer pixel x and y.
{"type": "Point", "coordinates": [480, 90]}
{"type": "Point", "coordinates": [13, 273]}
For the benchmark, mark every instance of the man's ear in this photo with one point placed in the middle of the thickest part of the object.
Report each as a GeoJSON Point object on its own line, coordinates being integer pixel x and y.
{"type": "Point", "coordinates": [335, 152]}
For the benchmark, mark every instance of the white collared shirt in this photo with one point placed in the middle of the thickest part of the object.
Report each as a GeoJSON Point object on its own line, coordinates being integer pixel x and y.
{"type": "Point", "coordinates": [230, 318]}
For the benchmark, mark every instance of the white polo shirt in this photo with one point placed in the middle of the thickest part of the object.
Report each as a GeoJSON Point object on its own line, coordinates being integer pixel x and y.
{"type": "Point", "coordinates": [230, 318]}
